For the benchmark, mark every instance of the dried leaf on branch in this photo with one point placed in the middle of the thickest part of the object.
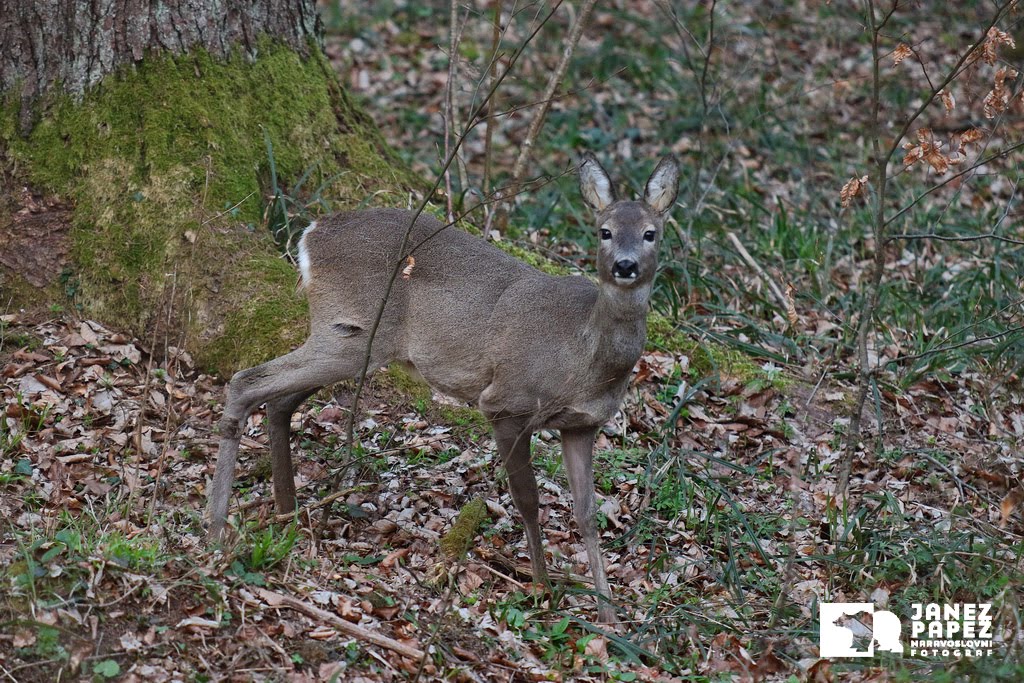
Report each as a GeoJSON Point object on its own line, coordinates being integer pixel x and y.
{"type": "Point", "coordinates": [854, 187]}
{"type": "Point", "coordinates": [929, 150]}
{"type": "Point", "coordinates": [901, 52]}
{"type": "Point", "coordinates": [998, 99]}
{"type": "Point", "coordinates": [993, 40]}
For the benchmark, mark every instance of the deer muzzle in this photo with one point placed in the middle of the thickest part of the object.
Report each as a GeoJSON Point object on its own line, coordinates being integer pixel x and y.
{"type": "Point", "coordinates": [626, 269]}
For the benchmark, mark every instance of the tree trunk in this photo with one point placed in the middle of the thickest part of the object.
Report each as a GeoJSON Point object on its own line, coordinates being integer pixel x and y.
{"type": "Point", "coordinates": [75, 44]}
{"type": "Point", "coordinates": [138, 140]}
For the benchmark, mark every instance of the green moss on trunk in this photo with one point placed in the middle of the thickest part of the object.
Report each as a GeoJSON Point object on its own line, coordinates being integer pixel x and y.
{"type": "Point", "coordinates": [166, 163]}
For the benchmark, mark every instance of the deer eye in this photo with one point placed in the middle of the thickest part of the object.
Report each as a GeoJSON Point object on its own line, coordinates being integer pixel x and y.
{"type": "Point", "coordinates": [649, 236]}
{"type": "Point", "coordinates": [606, 234]}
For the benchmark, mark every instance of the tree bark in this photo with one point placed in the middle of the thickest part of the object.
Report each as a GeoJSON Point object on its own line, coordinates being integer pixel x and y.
{"type": "Point", "coordinates": [74, 44]}
{"type": "Point", "coordinates": [137, 141]}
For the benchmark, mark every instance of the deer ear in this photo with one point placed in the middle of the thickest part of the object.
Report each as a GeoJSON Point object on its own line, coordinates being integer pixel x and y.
{"type": "Point", "coordinates": [595, 185]}
{"type": "Point", "coordinates": [663, 185]}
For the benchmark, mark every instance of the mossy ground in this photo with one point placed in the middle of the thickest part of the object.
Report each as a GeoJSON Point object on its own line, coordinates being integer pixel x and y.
{"type": "Point", "coordinates": [399, 379]}
{"type": "Point", "coordinates": [166, 165]}
{"type": "Point", "coordinates": [707, 357]}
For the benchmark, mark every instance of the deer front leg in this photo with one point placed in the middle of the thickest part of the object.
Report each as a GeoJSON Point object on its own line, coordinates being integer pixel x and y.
{"type": "Point", "coordinates": [578, 458]}
{"type": "Point", "coordinates": [513, 438]}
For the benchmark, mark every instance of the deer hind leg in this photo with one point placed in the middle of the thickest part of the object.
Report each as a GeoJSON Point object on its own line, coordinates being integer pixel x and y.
{"type": "Point", "coordinates": [513, 438]}
{"type": "Point", "coordinates": [578, 457]}
{"type": "Point", "coordinates": [303, 371]}
{"type": "Point", "coordinates": [279, 418]}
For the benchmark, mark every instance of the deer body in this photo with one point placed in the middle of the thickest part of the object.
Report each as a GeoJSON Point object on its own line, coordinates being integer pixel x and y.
{"type": "Point", "coordinates": [531, 350]}
{"type": "Point", "coordinates": [595, 354]}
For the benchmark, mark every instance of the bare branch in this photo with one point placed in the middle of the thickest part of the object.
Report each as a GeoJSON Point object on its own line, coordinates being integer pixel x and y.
{"type": "Point", "coordinates": [959, 345]}
{"type": "Point", "coordinates": [549, 92]}
{"type": "Point", "coordinates": [282, 600]}
{"type": "Point", "coordinates": [955, 238]}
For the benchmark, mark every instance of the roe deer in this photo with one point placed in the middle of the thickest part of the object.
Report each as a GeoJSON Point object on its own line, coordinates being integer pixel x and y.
{"type": "Point", "coordinates": [531, 350]}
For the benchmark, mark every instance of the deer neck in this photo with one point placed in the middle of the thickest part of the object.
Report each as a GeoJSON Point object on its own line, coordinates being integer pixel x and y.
{"type": "Point", "coordinates": [619, 320]}
{"type": "Point", "coordinates": [621, 306]}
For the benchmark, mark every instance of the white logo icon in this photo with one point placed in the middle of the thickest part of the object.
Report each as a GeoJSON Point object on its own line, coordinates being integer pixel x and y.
{"type": "Point", "coordinates": [836, 640]}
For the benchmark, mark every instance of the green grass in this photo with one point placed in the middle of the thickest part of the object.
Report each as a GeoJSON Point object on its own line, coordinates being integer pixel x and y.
{"type": "Point", "coordinates": [54, 566]}
{"type": "Point", "coordinates": [21, 340]}
{"type": "Point", "coordinates": [83, 560]}
{"type": "Point", "coordinates": [9, 442]}
{"type": "Point", "coordinates": [260, 550]}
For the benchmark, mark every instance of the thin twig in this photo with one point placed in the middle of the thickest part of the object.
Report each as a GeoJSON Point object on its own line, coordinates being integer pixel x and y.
{"type": "Point", "coordinates": [958, 345]}
{"type": "Point", "coordinates": [554, 82]}
{"type": "Point", "coordinates": [814, 391]}
{"type": "Point", "coordinates": [949, 471]}
{"type": "Point", "coordinates": [955, 238]}
{"type": "Point", "coordinates": [442, 615]}
{"type": "Point", "coordinates": [285, 517]}
{"type": "Point", "coordinates": [502, 575]}
{"type": "Point", "coordinates": [776, 290]}
{"type": "Point", "coordinates": [947, 181]}
{"type": "Point", "coordinates": [491, 104]}
{"type": "Point", "coordinates": [229, 209]}
{"type": "Point", "coordinates": [170, 403]}
{"type": "Point", "coordinates": [707, 59]}
{"type": "Point", "coordinates": [788, 578]}
{"type": "Point", "coordinates": [449, 101]}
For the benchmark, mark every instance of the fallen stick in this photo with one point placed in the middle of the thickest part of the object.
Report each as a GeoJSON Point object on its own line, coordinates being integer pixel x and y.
{"type": "Point", "coordinates": [289, 516]}
{"type": "Point", "coordinates": [745, 255]}
{"type": "Point", "coordinates": [278, 600]}
{"type": "Point", "coordinates": [267, 500]}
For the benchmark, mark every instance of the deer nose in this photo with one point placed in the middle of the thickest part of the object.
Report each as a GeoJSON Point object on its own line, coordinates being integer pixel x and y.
{"type": "Point", "coordinates": [626, 268]}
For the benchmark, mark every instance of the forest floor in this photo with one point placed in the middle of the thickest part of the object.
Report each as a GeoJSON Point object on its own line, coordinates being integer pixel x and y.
{"type": "Point", "coordinates": [717, 481]}
{"type": "Point", "coordinates": [721, 530]}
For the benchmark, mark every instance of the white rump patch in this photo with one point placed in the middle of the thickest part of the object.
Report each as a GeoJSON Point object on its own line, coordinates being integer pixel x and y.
{"type": "Point", "coordinates": [304, 266]}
